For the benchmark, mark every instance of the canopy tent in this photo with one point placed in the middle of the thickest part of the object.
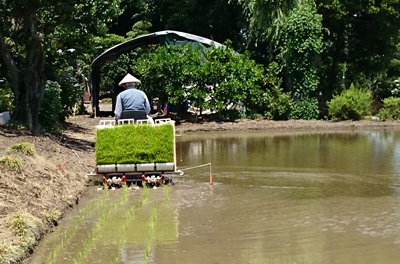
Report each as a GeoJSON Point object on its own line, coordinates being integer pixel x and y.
{"type": "Point", "coordinates": [165, 38]}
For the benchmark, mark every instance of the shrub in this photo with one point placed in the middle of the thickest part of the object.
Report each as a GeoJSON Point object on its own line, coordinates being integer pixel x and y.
{"type": "Point", "coordinates": [277, 104]}
{"type": "Point", "coordinates": [51, 216]}
{"type": "Point", "coordinates": [11, 162]}
{"type": "Point", "coordinates": [391, 109]}
{"type": "Point", "coordinates": [9, 253]}
{"type": "Point", "coordinates": [6, 98]}
{"type": "Point", "coordinates": [51, 108]}
{"type": "Point", "coordinates": [306, 108]}
{"type": "Point", "coordinates": [351, 104]}
{"type": "Point", "coordinates": [254, 116]}
{"type": "Point", "coordinates": [230, 114]}
{"type": "Point", "coordinates": [24, 147]}
{"type": "Point", "coordinates": [129, 144]}
{"type": "Point", "coordinates": [26, 226]}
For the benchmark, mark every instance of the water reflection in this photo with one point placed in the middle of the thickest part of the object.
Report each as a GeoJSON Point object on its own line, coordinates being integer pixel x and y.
{"type": "Point", "coordinates": [305, 198]}
{"type": "Point", "coordinates": [353, 152]}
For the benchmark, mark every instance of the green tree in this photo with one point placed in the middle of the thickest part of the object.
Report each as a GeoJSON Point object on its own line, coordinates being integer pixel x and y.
{"type": "Point", "coordinates": [166, 72]}
{"type": "Point", "coordinates": [138, 29]}
{"type": "Point", "coordinates": [265, 16]}
{"type": "Point", "coordinates": [231, 78]}
{"type": "Point", "coordinates": [301, 43]}
{"type": "Point", "coordinates": [360, 43]}
{"type": "Point", "coordinates": [219, 20]}
{"type": "Point", "coordinates": [27, 29]}
{"type": "Point", "coordinates": [214, 78]}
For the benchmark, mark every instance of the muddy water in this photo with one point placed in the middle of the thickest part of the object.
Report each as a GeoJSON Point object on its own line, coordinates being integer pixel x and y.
{"type": "Point", "coordinates": [276, 198]}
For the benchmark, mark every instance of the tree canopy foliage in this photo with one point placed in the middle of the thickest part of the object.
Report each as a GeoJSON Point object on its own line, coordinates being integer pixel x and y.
{"type": "Point", "coordinates": [33, 37]}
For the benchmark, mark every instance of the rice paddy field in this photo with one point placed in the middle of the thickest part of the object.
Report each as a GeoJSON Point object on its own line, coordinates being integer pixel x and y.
{"type": "Point", "coordinates": [110, 224]}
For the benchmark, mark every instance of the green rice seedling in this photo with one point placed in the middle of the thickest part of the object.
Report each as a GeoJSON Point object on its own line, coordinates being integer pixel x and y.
{"type": "Point", "coordinates": [167, 193]}
{"type": "Point", "coordinates": [56, 250]}
{"type": "Point", "coordinates": [130, 214]}
{"type": "Point", "coordinates": [126, 192]}
{"type": "Point", "coordinates": [11, 162]}
{"type": "Point", "coordinates": [101, 221]}
{"type": "Point", "coordinates": [24, 148]}
{"type": "Point", "coordinates": [146, 194]}
{"type": "Point", "coordinates": [152, 224]}
{"type": "Point", "coordinates": [128, 144]}
{"type": "Point", "coordinates": [152, 227]}
{"type": "Point", "coordinates": [92, 234]}
{"type": "Point", "coordinates": [115, 258]}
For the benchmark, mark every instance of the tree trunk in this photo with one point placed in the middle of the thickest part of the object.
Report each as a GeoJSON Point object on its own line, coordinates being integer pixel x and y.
{"type": "Point", "coordinates": [34, 76]}
{"type": "Point", "coordinates": [14, 79]}
{"type": "Point", "coordinates": [26, 76]}
{"type": "Point", "coordinates": [35, 81]}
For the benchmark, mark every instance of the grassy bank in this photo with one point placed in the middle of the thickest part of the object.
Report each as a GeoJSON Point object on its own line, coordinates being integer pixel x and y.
{"type": "Point", "coordinates": [34, 191]}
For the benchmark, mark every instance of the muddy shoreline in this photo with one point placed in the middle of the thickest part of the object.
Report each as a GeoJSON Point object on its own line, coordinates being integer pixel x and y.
{"type": "Point", "coordinates": [290, 125]}
{"type": "Point", "coordinates": [257, 124]}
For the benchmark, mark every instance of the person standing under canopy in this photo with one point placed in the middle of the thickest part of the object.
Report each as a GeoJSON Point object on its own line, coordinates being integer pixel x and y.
{"type": "Point", "coordinates": [132, 98]}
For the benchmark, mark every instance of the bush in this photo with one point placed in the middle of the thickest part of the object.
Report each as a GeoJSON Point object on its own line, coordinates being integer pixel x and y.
{"type": "Point", "coordinates": [351, 104]}
{"type": "Point", "coordinates": [11, 162]}
{"type": "Point", "coordinates": [51, 108]}
{"type": "Point", "coordinates": [391, 109]}
{"type": "Point", "coordinates": [129, 144]}
{"type": "Point", "coordinates": [9, 253]}
{"type": "Point", "coordinates": [51, 216]}
{"type": "Point", "coordinates": [24, 148]}
{"type": "Point", "coordinates": [277, 103]}
{"type": "Point", "coordinates": [6, 98]}
{"type": "Point", "coordinates": [306, 108]}
{"type": "Point", "coordinates": [27, 227]}
{"type": "Point", "coordinates": [231, 114]}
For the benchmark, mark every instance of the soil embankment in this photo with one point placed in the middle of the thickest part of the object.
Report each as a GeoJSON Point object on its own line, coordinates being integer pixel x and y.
{"type": "Point", "coordinates": [37, 188]}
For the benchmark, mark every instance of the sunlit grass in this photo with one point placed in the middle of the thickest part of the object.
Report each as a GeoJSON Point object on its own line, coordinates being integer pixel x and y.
{"type": "Point", "coordinates": [27, 227]}
{"type": "Point", "coordinates": [24, 224]}
{"type": "Point", "coordinates": [9, 253]}
{"type": "Point", "coordinates": [11, 162]}
{"type": "Point", "coordinates": [51, 215]}
{"type": "Point", "coordinates": [24, 148]}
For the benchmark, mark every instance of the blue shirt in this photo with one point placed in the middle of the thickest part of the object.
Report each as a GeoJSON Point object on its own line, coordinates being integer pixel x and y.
{"type": "Point", "coordinates": [131, 99]}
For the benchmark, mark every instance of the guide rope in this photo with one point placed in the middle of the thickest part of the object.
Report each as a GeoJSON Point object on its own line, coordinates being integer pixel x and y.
{"type": "Point", "coordinates": [199, 166]}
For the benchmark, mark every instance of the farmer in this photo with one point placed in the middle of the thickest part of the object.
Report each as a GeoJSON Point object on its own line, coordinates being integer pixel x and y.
{"type": "Point", "coordinates": [132, 98]}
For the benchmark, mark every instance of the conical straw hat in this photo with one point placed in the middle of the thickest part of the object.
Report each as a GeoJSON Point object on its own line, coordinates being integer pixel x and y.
{"type": "Point", "coordinates": [129, 79]}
